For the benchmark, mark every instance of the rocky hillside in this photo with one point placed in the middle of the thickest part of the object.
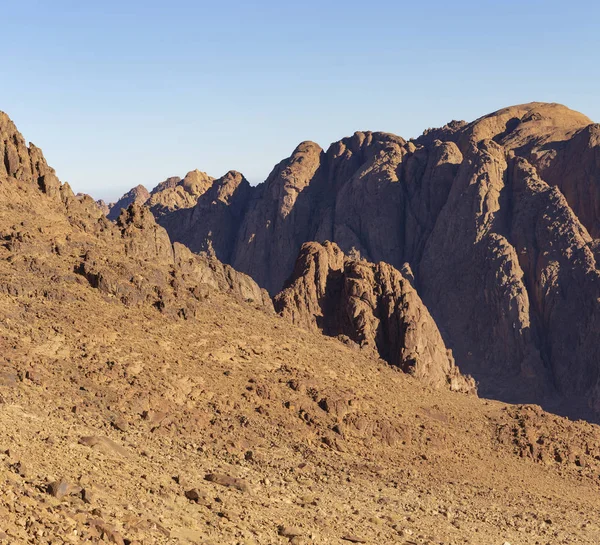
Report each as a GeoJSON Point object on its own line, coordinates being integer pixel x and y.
{"type": "Point", "coordinates": [496, 218]}
{"type": "Point", "coordinates": [151, 396]}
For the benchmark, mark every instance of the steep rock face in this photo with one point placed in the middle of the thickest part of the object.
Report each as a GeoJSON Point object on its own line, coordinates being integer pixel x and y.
{"type": "Point", "coordinates": [559, 260]}
{"type": "Point", "coordinates": [373, 304]}
{"type": "Point", "coordinates": [278, 218]}
{"type": "Point", "coordinates": [138, 195]}
{"type": "Point", "coordinates": [471, 279]}
{"type": "Point", "coordinates": [451, 205]}
{"type": "Point", "coordinates": [573, 165]}
{"type": "Point", "coordinates": [22, 162]}
{"type": "Point", "coordinates": [212, 224]}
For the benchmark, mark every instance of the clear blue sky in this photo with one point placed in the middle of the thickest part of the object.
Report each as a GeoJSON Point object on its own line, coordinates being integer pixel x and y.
{"type": "Point", "coordinates": [128, 92]}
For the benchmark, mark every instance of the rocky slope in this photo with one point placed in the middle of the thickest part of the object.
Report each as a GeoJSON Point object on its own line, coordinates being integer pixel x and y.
{"type": "Point", "coordinates": [496, 218]}
{"type": "Point", "coordinates": [145, 400]}
{"type": "Point", "coordinates": [375, 306]}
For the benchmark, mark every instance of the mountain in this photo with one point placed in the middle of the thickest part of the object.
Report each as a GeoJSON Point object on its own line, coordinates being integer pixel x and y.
{"type": "Point", "coordinates": [138, 195]}
{"type": "Point", "coordinates": [151, 395]}
{"type": "Point", "coordinates": [169, 195]}
{"type": "Point", "coordinates": [496, 218]}
{"type": "Point", "coordinates": [175, 193]}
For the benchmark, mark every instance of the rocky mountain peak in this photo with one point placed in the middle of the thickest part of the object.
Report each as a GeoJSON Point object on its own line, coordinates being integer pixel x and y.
{"type": "Point", "coordinates": [375, 306]}
{"type": "Point", "coordinates": [137, 195]}
{"type": "Point", "coordinates": [448, 206]}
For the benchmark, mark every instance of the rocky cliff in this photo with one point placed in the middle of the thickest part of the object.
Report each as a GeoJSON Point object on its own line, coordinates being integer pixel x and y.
{"type": "Point", "coordinates": [172, 194]}
{"type": "Point", "coordinates": [497, 218]}
{"type": "Point", "coordinates": [374, 305]}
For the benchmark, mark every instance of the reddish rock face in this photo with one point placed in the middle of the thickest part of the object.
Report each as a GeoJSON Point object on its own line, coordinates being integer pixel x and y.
{"type": "Point", "coordinates": [212, 225]}
{"type": "Point", "coordinates": [376, 306]}
{"type": "Point", "coordinates": [175, 193]}
{"type": "Point", "coordinates": [497, 218]}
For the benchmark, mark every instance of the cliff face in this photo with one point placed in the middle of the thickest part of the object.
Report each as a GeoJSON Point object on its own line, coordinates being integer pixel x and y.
{"type": "Point", "coordinates": [497, 218]}
{"type": "Point", "coordinates": [374, 305]}
{"type": "Point", "coordinates": [212, 225]}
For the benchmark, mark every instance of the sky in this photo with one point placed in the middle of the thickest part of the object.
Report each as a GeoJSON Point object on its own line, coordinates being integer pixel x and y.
{"type": "Point", "coordinates": [131, 92]}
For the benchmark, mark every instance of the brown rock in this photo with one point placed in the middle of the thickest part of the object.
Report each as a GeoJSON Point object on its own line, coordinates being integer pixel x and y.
{"type": "Point", "coordinates": [34, 376]}
{"type": "Point", "coordinates": [290, 531]}
{"type": "Point", "coordinates": [61, 488]}
{"type": "Point", "coordinates": [176, 194]}
{"type": "Point", "coordinates": [138, 195]}
{"type": "Point", "coordinates": [353, 539]}
{"type": "Point", "coordinates": [197, 496]}
{"type": "Point", "coordinates": [374, 305]}
{"type": "Point", "coordinates": [230, 482]}
{"type": "Point", "coordinates": [103, 444]}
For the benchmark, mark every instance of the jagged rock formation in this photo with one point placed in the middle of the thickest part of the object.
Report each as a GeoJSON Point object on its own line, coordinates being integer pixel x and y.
{"type": "Point", "coordinates": [376, 306]}
{"type": "Point", "coordinates": [171, 277]}
{"type": "Point", "coordinates": [212, 224]}
{"type": "Point", "coordinates": [131, 260]}
{"type": "Point", "coordinates": [168, 196]}
{"type": "Point", "coordinates": [138, 195]}
{"type": "Point", "coordinates": [104, 206]}
{"type": "Point", "coordinates": [175, 193]}
{"type": "Point", "coordinates": [468, 207]}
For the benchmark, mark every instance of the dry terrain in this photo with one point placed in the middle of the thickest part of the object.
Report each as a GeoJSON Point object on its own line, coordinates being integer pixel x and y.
{"type": "Point", "coordinates": [148, 395]}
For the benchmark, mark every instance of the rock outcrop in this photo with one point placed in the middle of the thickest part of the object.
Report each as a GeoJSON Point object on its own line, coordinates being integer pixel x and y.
{"type": "Point", "coordinates": [131, 260]}
{"type": "Point", "coordinates": [455, 205]}
{"type": "Point", "coordinates": [175, 193]}
{"type": "Point", "coordinates": [211, 226]}
{"type": "Point", "coordinates": [138, 195]}
{"type": "Point", "coordinates": [374, 305]}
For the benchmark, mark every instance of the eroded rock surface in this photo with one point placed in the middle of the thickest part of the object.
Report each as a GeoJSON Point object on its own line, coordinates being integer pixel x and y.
{"type": "Point", "coordinates": [497, 219]}
{"type": "Point", "coordinates": [376, 306]}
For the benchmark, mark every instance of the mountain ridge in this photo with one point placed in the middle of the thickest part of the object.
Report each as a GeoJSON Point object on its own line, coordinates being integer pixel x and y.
{"type": "Point", "coordinates": [450, 203]}
{"type": "Point", "coordinates": [151, 395]}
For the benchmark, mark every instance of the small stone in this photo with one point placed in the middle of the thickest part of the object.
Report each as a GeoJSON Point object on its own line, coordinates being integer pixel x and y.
{"type": "Point", "coordinates": [19, 468]}
{"type": "Point", "coordinates": [59, 489]}
{"type": "Point", "coordinates": [104, 444]}
{"type": "Point", "coordinates": [290, 531]}
{"type": "Point", "coordinates": [230, 482]}
{"type": "Point", "coordinates": [119, 423]}
{"type": "Point", "coordinates": [87, 495]}
{"type": "Point", "coordinates": [33, 376]}
{"type": "Point", "coordinates": [197, 496]}
{"type": "Point", "coordinates": [353, 539]}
